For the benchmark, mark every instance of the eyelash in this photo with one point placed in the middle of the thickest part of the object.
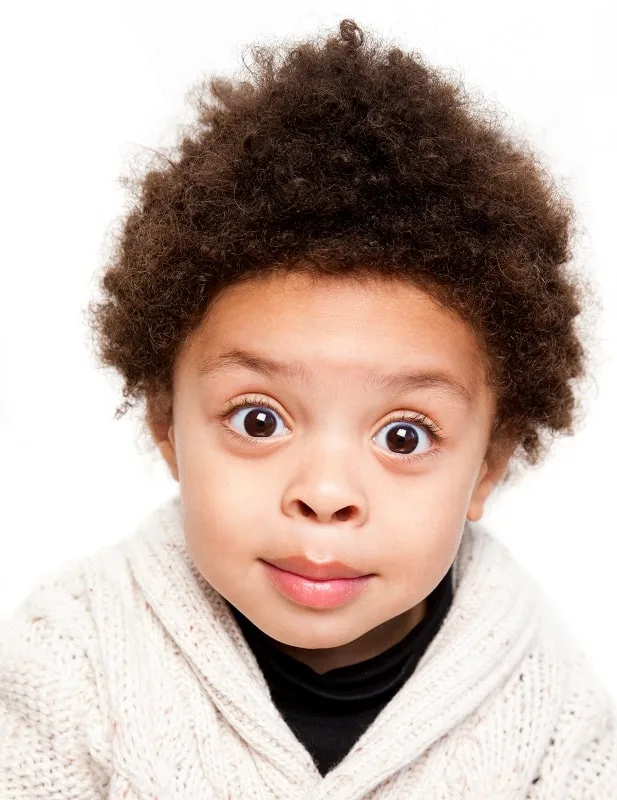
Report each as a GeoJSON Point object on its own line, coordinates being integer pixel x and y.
{"type": "Point", "coordinates": [434, 432]}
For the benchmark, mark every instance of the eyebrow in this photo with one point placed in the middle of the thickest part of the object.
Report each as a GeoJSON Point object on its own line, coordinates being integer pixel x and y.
{"type": "Point", "coordinates": [296, 370]}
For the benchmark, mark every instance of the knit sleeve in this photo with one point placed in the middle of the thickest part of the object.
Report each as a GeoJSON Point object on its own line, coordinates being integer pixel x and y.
{"type": "Point", "coordinates": [581, 754]}
{"type": "Point", "coordinates": [592, 772]}
{"type": "Point", "coordinates": [47, 696]}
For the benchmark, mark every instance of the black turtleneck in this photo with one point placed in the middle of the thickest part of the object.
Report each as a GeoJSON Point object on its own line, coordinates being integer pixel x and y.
{"type": "Point", "coordinates": [329, 712]}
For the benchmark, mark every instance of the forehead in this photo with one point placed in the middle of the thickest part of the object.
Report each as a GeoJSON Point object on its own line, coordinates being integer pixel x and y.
{"type": "Point", "coordinates": [338, 326]}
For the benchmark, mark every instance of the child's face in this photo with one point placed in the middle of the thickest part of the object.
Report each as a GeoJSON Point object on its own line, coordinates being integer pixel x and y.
{"type": "Point", "coordinates": [327, 478]}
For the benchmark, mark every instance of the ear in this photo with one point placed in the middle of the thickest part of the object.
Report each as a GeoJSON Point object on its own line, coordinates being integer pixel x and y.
{"type": "Point", "coordinates": [160, 423]}
{"type": "Point", "coordinates": [491, 472]}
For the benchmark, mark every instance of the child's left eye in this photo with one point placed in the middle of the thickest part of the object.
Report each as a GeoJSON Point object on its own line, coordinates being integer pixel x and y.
{"type": "Point", "coordinates": [403, 436]}
{"type": "Point", "coordinates": [260, 422]}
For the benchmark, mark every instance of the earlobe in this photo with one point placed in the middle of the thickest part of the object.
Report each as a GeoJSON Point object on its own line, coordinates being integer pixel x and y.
{"type": "Point", "coordinates": [167, 447]}
{"type": "Point", "coordinates": [493, 468]}
{"type": "Point", "coordinates": [163, 435]}
{"type": "Point", "coordinates": [482, 489]}
{"type": "Point", "coordinates": [476, 506]}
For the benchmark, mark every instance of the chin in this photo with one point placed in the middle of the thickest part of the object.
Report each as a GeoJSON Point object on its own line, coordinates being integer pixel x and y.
{"type": "Point", "coordinates": [320, 635]}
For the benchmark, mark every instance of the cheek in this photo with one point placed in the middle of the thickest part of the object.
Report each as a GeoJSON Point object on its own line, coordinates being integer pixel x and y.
{"type": "Point", "coordinates": [225, 503]}
{"type": "Point", "coordinates": [223, 516]}
{"type": "Point", "coordinates": [425, 526]}
{"type": "Point", "coordinates": [214, 482]}
{"type": "Point", "coordinates": [220, 536]}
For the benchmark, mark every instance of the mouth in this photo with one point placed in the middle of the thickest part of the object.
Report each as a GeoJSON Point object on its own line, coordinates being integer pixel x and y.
{"type": "Point", "coordinates": [320, 592]}
{"type": "Point", "coordinates": [316, 571]}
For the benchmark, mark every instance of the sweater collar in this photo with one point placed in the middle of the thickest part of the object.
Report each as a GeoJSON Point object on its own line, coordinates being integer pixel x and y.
{"type": "Point", "coordinates": [482, 640]}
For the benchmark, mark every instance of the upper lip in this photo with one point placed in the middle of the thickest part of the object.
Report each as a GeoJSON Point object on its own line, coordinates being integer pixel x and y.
{"type": "Point", "coordinates": [324, 570]}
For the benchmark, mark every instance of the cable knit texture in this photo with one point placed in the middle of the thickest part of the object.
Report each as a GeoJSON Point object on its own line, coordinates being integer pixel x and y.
{"type": "Point", "coordinates": [125, 676]}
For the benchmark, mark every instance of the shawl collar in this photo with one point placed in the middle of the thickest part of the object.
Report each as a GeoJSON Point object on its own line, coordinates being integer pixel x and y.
{"type": "Point", "coordinates": [485, 635]}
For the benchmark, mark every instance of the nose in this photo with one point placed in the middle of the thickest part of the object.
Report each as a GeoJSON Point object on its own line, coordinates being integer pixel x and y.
{"type": "Point", "coordinates": [326, 495]}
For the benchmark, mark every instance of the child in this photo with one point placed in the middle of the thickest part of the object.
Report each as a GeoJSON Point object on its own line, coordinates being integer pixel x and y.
{"type": "Point", "coordinates": [344, 302]}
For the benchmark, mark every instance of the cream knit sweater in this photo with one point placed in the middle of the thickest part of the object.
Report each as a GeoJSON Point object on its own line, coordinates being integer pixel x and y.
{"type": "Point", "coordinates": [124, 676]}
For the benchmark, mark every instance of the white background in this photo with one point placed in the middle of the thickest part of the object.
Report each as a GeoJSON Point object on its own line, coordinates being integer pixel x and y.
{"type": "Point", "coordinates": [86, 86]}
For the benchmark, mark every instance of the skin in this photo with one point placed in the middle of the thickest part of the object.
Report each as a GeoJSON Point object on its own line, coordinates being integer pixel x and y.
{"type": "Point", "coordinates": [327, 483]}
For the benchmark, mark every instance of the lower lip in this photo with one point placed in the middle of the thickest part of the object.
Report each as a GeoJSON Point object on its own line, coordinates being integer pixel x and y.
{"type": "Point", "coordinates": [316, 594]}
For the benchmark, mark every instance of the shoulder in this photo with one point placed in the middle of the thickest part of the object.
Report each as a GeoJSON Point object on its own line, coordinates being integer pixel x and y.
{"type": "Point", "coordinates": [52, 619]}
{"type": "Point", "coordinates": [581, 758]}
{"type": "Point", "coordinates": [49, 692]}
{"type": "Point", "coordinates": [487, 573]}
{"type": "Point", "coordinates": [52, 643]}
{"type": "Point", "coordinates": [57, 615]}
{"type": "Point", "coordinates": [569, 715]}
{"type": "Point", "coordinates": [580, 755]}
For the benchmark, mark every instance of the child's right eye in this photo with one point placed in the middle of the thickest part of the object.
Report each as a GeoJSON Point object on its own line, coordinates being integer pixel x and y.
{"type": "Point", "coordinates": [260, 419]}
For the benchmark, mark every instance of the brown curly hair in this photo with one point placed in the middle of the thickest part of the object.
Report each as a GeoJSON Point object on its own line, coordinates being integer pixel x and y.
{"type": "Point", "coordinates": [345, 157]}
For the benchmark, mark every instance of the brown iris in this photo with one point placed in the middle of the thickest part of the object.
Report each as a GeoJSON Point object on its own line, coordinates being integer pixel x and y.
{"type": "Point", "coordinates": [260, 422]}
{"type": "Point", "coordinates": [402, 438]}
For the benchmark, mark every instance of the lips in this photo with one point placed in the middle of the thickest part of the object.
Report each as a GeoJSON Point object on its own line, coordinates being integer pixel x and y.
{"type": "Point", "coordinates": [318, 571]}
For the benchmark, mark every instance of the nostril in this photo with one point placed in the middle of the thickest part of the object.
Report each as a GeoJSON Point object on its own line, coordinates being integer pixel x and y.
{"type": "Point", "coordinates": [342, 514]}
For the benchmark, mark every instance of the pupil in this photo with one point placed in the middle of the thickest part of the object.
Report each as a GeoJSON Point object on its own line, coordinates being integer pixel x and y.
{"type": "Point", "coordinates": [259, 422]}
{"type": "Point", "coordinates": [402, 439]}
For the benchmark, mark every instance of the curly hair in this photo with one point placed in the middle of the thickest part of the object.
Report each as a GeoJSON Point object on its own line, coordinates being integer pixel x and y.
{"type": "Point", "coordinates": [346, 157]}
